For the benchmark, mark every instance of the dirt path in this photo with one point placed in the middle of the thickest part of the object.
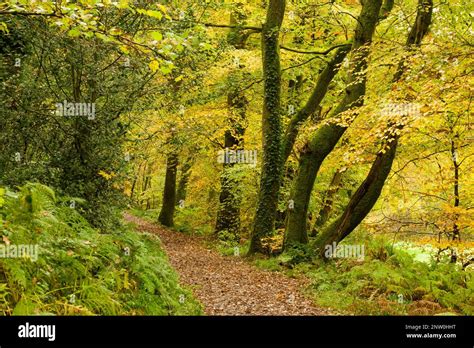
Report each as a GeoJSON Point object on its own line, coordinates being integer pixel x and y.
{"type": "Point", "coordinates": [227, 285]}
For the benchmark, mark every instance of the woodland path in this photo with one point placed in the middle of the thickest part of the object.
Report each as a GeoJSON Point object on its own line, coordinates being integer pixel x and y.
{"type": "Point", "coordinates": [229, 285]}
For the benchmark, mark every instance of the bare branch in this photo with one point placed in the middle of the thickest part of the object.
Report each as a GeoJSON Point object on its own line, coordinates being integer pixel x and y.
{"type": "Point", "coordinates": [314, 52]}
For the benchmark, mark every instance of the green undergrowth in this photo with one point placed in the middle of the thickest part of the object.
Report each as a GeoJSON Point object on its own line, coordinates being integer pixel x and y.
{"type": "Point", "coordinates": [79, 270]}
{"type": "Point", "coordinates": [182, 220]}
{"type": "Point", "coordinates": [388, 281]}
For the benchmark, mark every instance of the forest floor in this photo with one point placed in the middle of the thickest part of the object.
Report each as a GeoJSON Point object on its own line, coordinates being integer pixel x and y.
{"type": "Point", "coordinates": [230, 285]}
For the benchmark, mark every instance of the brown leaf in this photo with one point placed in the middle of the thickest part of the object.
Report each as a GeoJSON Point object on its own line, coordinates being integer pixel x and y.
{"type": "Point", "coordinates": [6, 240]}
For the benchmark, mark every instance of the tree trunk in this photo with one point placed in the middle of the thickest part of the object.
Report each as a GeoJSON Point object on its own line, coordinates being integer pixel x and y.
{"type": "Point", "coordinates": [228, 215]}
{"type": "Point", "coordinates": [417, 32]}
{"type": "Point", "coordinates": [386, 9]}
{"type": "Point", "coordinates": [314, 100]}
{"type": "Point", "coordinates": [327, 136]}
{"type": "Point", "coordinates": [148, 202]}
{"type": "Point", "coordinates": [169, 192]}
{"type": "Point", "coordinates": [325, 211]}
{"type": "Point", "coordinates": [369, 191]}
{"type": "Point", "coordinates": [270, 178]}
{"type": "Point", "coordinates": [454, 157]}
{"type": "Point", "coordinates": [311, 107]}
{"type": "Point", "coordinates": [184, 179]}
{"type": "Point", "coordinates": [362, 201]}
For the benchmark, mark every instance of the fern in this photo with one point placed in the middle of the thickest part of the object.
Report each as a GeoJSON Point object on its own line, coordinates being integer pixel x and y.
{"type": "Point", "coordinates": [81, 271]}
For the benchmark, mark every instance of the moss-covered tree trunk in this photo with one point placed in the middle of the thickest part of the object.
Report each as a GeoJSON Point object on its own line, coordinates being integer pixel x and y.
{"type": "Point", "coordinates": [184, 179]}
{"type": "Point", "coordinates": [169, 191]}
{"type": "Point", "coordinates": [311, 107]}
{"type": "Point", "coordinates": [314, 101]}
{"type": "Point", "coordinates": [327, 136]}
{"type": "Point", "coordinates": [325, 211]}
{"type": "Point", "coordinates": [270, 177]}
{"type": "Point", "coordinates": [369, 191]}
{"type": "Point", "coordinates": [387, 7]}
{"type": "Point", "coordinates": [362, 201]}
{"type": "Point", "coordinates": [228, 215]}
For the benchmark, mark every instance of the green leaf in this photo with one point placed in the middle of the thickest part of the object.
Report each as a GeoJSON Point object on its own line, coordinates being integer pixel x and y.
{"type": "Point", "coordinates": [24, 307]}
{"type": "Point", "coordinates": [2, 192]}
{"type": "Point", "coordinates": [3, 27]}
{"type": "Point", "coordinates": [166, 69]}
{"type": "Point", "coordinates": [156, 35]}
{"type": "Point", "coordinates": [74, 32]}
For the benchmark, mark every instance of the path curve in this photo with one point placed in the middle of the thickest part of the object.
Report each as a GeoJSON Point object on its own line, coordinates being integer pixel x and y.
{"type": "Point", "coordinates": [228, 285]}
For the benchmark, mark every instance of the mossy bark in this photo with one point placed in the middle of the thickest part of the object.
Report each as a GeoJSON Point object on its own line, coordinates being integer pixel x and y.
{"type": "Point", "coordinates": [325, 211]}
{"type": "Point", "coordinates": [271, 174]}
{"type": "Point", "coordinates": [328, 135]}
{"type": "Point", "coordinates": [369, 191]}
{"type": "Point", "coordinates": [361, 202]}
{"type": "Point", "coordinates": [417, 32]}
{"type": "Point", "coordinates": [169, 192]}
{"type": "Point", "coordinates": [311, 158]}
{"type": "Point", "coordinates": [311, 107]}
{"type": "Point", "coordinates": [184, 179]}
{"type": "Point", "coordinates": [314, 100]}
{"type": "Point", "coordinates": [387, 7]}
{"type": "Point", "coordinates": [228, 215]}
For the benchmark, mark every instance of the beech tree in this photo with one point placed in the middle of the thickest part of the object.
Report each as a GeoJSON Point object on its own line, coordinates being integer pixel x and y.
{"type": "Point", "coordinates": [323, 141]}
{"type": "Point", "coordinates": [369, 191]}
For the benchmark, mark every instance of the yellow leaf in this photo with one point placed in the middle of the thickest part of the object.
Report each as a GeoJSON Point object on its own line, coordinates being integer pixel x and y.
{"type": "Point", "coordinates": [105, 175]}
{"type": "Point", "coordinates": [154, 65]}
{"type": "Point", "coordinates": [124, 49]}
{"type": "Point", "coordinates": [154, 14]}
{"type": "Point", "coordinates": [162, 8]}
{"type": "Point", "coordinates": [123, 4]}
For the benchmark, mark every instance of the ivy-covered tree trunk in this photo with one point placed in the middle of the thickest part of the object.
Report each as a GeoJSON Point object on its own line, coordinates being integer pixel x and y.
{"type": "Point", "coordinates": [169, 192]}
{"type": "Point", "coordinates": [369, 191]}
{"type": "Point", "coordinates": [327, 136]}
{"type": "Point", "coordinates": [270, 177]}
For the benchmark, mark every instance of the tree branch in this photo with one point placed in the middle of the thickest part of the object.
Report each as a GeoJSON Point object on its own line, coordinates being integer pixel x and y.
{"type": "Point", "coordinates": [19, 13]}
{"type": "Point", "coordinates": [314, 52]}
